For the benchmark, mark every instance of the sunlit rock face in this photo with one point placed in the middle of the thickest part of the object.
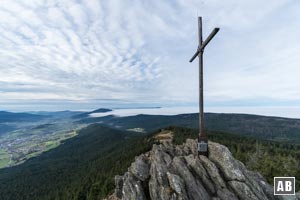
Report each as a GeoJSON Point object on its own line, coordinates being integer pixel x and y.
{"type": "Point", "coordinates": [170, 172]}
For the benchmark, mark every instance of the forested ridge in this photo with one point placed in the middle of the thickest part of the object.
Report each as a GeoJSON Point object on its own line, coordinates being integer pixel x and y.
{"type": "Point", "coordinates": [81, 168]}
{"type": "Point", "coordinates": [84, 166]}
{"type": "Point", "coordinates": [262, 127]}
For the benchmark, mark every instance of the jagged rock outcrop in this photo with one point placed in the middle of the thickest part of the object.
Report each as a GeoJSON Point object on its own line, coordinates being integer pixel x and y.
{"type": "Point", "coordinates": [170, 172]}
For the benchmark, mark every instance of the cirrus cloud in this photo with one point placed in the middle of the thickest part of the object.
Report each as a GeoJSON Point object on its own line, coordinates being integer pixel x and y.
{"type": "Point", "coordinates": [137, 51]}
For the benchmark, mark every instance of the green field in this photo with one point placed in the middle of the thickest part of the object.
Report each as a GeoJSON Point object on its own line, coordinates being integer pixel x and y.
{"type": "Point", "coordinates": [4, 158]}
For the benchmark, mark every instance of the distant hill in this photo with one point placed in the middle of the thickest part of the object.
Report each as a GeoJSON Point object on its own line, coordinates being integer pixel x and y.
{"type": "Point", "coordinates": [18, 117]}
{"type": "Point", "coordinates": [264, 127]}
{"type": "Point", "coordinates": [57, 114]}
{"type": "Point", "coordinates": [87, 114]}
{"type": "Point", "coordinates": [9, 119]}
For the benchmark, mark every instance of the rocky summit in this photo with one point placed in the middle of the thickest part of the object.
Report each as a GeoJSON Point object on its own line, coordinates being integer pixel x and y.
{"type": "Point", "coordinates": [176, 172]}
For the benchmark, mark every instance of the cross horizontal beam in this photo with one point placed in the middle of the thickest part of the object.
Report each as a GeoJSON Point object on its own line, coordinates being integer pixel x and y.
{"type": "Point", "coordinates": [208, 39]}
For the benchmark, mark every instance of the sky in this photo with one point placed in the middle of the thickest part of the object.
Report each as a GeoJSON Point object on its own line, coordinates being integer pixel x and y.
{"type": "Point", "coordinates": [76, 55]}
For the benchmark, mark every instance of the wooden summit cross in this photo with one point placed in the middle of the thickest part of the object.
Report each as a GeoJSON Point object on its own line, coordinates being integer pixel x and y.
{"type": "Point", "coordinates": [202, 139]}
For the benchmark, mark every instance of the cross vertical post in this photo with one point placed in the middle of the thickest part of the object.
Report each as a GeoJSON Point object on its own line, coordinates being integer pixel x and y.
{"type": "Point", "coordinates": [202, 135]}
{"type": "Point", "coordinates": [202, 145]}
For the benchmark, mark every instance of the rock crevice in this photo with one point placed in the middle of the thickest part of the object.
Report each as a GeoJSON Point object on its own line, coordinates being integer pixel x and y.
{"type": "Point", "coordinates": [170, 172]}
